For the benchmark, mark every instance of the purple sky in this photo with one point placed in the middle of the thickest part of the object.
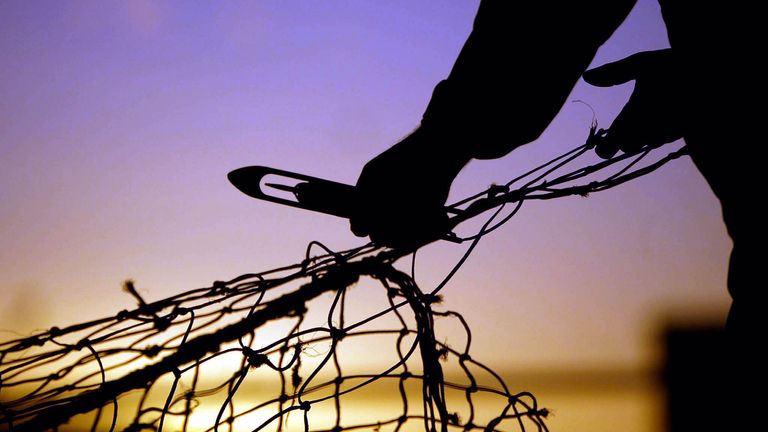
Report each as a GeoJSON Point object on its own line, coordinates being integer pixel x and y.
{"type": "Point", "coordinates": [120, 120]}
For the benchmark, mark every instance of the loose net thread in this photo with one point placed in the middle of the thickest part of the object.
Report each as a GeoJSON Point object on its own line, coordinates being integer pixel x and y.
{"type": "Point", "coordinates": [156, 367]}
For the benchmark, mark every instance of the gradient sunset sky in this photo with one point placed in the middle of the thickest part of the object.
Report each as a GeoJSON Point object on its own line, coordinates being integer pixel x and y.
{"type": "Point", "coordinates": [120, 120]}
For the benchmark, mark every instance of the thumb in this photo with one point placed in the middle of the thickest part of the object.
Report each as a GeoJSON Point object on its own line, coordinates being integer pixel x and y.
{"type": "Point", "coordinates": [621, 71]}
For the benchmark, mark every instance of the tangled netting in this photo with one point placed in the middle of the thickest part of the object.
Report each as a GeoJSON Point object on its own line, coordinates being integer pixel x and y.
{"type": "Point", "coordinates": [294, 348]}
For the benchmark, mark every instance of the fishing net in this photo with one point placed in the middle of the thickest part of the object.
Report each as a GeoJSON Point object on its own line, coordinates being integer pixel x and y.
{"type": "Point", "coordinates": [340, 341]}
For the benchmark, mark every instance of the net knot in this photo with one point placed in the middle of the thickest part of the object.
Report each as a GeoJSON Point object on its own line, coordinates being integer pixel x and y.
{"type": "Point", "coordinates": [496, 190]}
{"type": "Point", "coordinates": [429, 299]}
{"type": "Point", "coordinates": [151, 351]}
{"type": "Point", "coordinates": [337, 334]}
{"type": "Point", "coordinates": [161, 323]}
{"type": "Point", "coordinates": [82, 343]}
{"type": "Point", "coordinates": [443, 353]}
{"type": "Point", "coordinates": [453, 418]}
{"type": "Point", "coordinates": [253, 358]}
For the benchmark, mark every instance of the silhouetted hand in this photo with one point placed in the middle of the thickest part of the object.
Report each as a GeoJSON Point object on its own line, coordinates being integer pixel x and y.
{"type": "Point", "coordinates": [402, 192]}
{"type": "Point", "coordinates": [653, 114]}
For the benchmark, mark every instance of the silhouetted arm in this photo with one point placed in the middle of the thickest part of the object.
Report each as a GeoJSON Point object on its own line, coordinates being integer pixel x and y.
{"type": "Point", "coordinates": [511, 78]}
{"type": "Point", "coordinates": [516, 69]}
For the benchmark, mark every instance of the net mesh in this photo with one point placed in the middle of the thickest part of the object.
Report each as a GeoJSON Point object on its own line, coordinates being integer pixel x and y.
{"type": "Point", "coordinates": [300, 374]}
{"type": "Point", "coordinates": [301, 347]}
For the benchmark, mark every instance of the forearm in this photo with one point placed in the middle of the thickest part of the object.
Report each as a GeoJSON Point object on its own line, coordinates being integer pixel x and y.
{"type": "Point", "coordinates": [516, 70]}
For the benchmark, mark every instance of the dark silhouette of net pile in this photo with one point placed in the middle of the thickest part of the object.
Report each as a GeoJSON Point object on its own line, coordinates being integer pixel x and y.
{"type": "Point", "coordinates": [341, 341]}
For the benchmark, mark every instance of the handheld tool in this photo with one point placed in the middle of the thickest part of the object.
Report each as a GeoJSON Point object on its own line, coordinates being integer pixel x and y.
{"type": "Point", "coordinates": [305, 192]}
{"type": "Point", "coordinates": [333, 198]}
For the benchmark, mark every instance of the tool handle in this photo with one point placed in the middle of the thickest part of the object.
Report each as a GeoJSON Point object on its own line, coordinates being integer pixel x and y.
{"type": "Point", "coordinates": [311, 193]}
